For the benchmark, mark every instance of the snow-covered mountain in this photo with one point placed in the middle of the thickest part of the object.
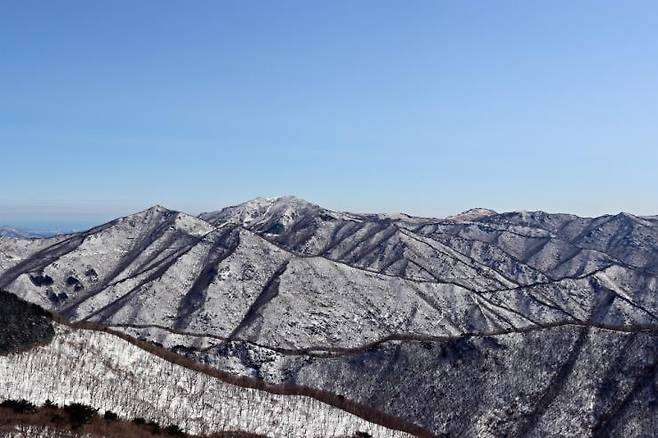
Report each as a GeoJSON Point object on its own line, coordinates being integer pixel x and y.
{"type": "Point", "coordinates": [17, 233]}
{"type": "Point", "coordinates": [287, 291]}
{"type": "Point", "coordinates": [12, 232]}
{"type": "Point", "coordinates": [472, 214]}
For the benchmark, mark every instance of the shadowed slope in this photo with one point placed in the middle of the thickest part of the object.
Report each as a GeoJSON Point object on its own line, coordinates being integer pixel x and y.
{"type": "Point", "coordinates": [22, 325]}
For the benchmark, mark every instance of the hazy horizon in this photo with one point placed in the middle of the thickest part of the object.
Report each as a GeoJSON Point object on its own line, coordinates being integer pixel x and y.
{"type": "Point", "coordinates": [61, 220]}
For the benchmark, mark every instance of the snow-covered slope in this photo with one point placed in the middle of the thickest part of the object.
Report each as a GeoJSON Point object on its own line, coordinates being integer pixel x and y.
{"type": "Point", "coordinates": [108, 373]}
{"type": "Point", "coordinates": [15, 250]}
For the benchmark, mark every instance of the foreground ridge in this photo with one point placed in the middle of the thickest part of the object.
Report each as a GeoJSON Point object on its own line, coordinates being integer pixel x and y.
{"type": "Point", "coordinates": [80, 353]}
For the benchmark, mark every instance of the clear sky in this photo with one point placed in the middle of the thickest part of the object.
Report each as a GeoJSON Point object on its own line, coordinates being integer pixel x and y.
{"type": "Point", "coordinates": [427, 107]}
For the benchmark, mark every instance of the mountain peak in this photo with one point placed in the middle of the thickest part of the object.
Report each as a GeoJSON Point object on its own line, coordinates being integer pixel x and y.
{"type": "Point", "coordinates": [625, 214]}
{"type": "Point", "coordinates": [157, 208]}
{"type": "Point", "coordinates": [472, 214]}
{"type": "Point", "coordinates": [633, 219]}
{"type": "Point", "coordinates": [280, 200]}
{"type": "Point", "coordinates": [155, 211]}
{"type": "Point", "coordinates": [282, 208]}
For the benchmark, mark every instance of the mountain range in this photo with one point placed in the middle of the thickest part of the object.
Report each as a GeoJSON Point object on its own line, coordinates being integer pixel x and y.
{"type": "Point", "coordinates": [479, 324]}
{"type": "Point", "coordinates": [6, 231]}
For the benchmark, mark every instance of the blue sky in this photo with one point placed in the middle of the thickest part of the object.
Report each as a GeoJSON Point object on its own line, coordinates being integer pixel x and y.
{"type": "Point", "coordinates": [427, 107]}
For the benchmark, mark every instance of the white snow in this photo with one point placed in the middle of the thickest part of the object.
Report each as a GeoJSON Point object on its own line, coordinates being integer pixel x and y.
{"type": "Point", "coordinates": [108, 373]}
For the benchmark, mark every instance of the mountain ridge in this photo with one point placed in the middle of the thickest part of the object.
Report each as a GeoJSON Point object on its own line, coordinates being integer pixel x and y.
{"type": "Point", "coordinates": [283, 290]}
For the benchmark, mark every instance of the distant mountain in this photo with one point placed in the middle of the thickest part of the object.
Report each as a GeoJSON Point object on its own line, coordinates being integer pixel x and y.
{"type": "Point", "coordinates": [483, 323]}
{"type": "Point", "coordinates": [473, 214]}
{"type": "Point", "coordinates": [17, 233]}
{"type": "Point", "coordinates": [20, 233]}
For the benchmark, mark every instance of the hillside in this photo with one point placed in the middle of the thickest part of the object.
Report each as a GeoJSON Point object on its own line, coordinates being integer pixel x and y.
{"type": "Point", "coordinates": [110, 373]}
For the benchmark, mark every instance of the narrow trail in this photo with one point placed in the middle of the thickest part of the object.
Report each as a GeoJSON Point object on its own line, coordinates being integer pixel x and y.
{"type": "Point", "coordinates": [332, 351]}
